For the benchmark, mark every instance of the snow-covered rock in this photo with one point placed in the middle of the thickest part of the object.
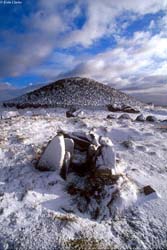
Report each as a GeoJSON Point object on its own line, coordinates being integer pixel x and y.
{"type": "Point", "coordinates": [125, 116]}
{"type": "Point", "coordinates": [106, 157]}
{"type": "Point", "coordinates": [151, 118]}
{"type": "Point", "coordinates": [53, 156]}
{"type": "Point", "coordinates": [70, 113]}
{"type": "Point", "coordinates": [140, 118]}
{"type": "Point", "coordinates": [9, 114]}
{"type": "Point", "coordinates": [79, 113]}
{"type": "Point", "coordinates": [111, 116]}
{"type": "Point", "coordinates": [128, 144]}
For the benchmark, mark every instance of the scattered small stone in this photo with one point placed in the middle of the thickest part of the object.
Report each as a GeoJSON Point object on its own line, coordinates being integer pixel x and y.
{"type": "Point", "coordinates": [125, 116]}
{"type": "Point", "coordinates": [148, 190]}
{"type": "Point", "coordinates": [111, 117]}
{"type": "Point", "coordinates": [128, 144]}
{"type": "Point", "coordinates": [140, 118]}
{"type": "Point", "coordinates": [71, 112]}
{"type": "Point", "coordinates": [151, 118]}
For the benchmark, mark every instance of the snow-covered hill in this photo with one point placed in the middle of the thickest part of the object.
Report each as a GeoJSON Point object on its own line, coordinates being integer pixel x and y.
{"type": "Point", "coordinates": [39, 212]}
{"type": "Point", "coordinates": [76, 92]}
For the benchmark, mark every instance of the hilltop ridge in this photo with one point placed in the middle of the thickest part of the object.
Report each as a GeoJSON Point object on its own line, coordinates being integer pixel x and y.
{"type": "Point", "coordinates": [74, 91]}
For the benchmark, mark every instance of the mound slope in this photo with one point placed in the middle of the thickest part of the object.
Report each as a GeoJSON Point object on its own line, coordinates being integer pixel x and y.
{"type": "Point", "coordinates": [75, 92]}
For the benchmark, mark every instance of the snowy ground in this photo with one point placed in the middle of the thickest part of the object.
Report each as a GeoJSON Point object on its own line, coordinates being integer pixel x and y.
{"type": "Point", "coordinates": [33, 203]}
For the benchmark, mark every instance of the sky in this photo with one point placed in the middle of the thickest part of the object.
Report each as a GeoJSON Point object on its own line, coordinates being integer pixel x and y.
{"type": "Point", "coordinates": [122, 43]}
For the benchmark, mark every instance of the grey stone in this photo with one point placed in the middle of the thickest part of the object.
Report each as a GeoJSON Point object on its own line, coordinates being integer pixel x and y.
{"type": "Point", "coordinates": [53, 157]}
{"type": "Point", "coordinates": [69, 145]}
{"type": "Point", "coordinates": [151, 118]}
{"type": "Point", "coordinates": [125, 116]}
{"type": "Point", "coordinates": [140, 118]}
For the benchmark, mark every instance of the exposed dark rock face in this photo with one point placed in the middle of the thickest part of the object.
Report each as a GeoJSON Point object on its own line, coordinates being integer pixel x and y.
{"type": "Point", "coordinates": [148, 190]}
{"type": "Point", "coordinates": [151, 118]}
{"type": "Point", "coordinates": [75, 92]}
{"type": "Point", "coordinates": [122, 108]}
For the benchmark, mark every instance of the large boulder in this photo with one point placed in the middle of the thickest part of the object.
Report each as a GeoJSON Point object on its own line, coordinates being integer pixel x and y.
{"type": "Point", "coordinates": [53, 156]}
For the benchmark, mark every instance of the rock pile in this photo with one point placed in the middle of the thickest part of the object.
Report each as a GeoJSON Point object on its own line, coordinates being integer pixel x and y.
{"type": "Point", "coordinates": [80, 153]}
{"type": "Point", "coordinates": [122, 108]}
{"type": "Point", "coordinates": [87, 162]}
{"type": "Point", "coordinates": [76, 92]}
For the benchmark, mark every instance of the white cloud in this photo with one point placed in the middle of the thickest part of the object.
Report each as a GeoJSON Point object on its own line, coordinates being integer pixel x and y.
{"type": "Point", "coordinates": [135, 62]}
{"type": "Point", "coordinates": [101, 18]}
{"type": "Point", "coordinates": [52, 26]}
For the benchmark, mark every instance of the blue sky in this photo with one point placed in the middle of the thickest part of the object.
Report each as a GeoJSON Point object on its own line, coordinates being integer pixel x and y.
{"type": "Point", "coordinates": [122, 43]}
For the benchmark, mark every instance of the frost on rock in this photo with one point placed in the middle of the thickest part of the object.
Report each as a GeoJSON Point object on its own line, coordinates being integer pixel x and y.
{"type": "Point", "coordinates": [140, 118]}
{"type": "Point", "coordinates": [53, 156]}
{"type": "Point", "coordinates": [106, 159]}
